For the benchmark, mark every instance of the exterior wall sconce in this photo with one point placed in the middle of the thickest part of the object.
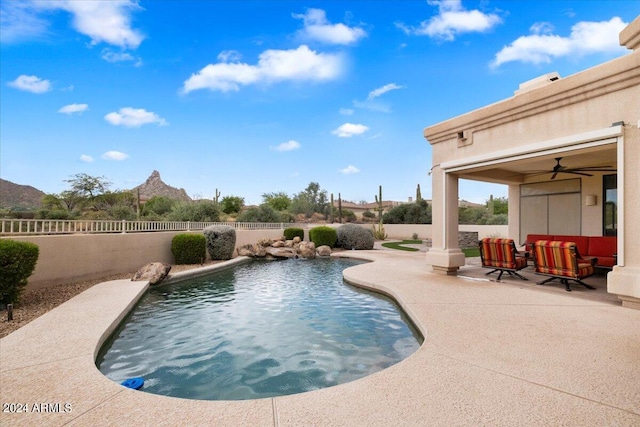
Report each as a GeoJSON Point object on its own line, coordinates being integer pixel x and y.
{"type": "Point", "coordinates": [591, 200]}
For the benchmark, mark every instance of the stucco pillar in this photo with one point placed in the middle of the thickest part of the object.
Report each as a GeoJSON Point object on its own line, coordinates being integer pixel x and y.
{"type": "Point", "coordinates": [445, 256]}
{"type": "Point", "coordinates": [624, 279]}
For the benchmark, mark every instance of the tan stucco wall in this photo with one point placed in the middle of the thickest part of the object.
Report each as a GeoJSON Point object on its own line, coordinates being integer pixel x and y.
{"type": "Point", "coordinates": [69, 258]}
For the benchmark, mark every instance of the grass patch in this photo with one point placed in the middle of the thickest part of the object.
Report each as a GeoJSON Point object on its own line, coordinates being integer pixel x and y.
{"type": "Point", "coordinates": [471, 252]}
{"type": "Point", "coordinates": [398, 245]}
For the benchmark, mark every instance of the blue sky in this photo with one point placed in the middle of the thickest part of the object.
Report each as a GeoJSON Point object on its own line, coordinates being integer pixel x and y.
{"type": "Point", "coordinates": [252, 97]}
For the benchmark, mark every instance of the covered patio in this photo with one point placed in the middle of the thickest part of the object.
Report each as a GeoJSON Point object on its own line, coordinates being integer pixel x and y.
{"type": "Point", "coordinates": [567, 147]}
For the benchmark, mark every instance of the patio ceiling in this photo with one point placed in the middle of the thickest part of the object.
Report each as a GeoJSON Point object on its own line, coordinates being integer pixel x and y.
{"type": "Point", "coordinates": [530, 169]}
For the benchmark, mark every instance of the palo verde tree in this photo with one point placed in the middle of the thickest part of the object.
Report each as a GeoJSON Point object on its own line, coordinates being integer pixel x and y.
{"type": "Point", "coordinates": [312, 200]}
{"type": "Point", "coordinates": [279, 201]}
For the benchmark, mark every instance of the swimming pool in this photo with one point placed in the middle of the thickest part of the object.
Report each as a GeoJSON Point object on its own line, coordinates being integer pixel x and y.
{"type": "Point", "coordinates": [257, 330]}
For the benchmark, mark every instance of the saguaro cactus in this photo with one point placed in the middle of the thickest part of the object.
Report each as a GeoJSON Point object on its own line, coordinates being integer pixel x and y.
{"type": "Point", "coordinates": [379, 233]}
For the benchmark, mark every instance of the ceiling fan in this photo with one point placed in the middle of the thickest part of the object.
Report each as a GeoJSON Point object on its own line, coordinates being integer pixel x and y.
{"type": "Point", "coordinates": [584, 171]}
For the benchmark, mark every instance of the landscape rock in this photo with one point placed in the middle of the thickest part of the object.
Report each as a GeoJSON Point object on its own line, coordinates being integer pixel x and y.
{"type": "Point", "coordinates": [154, 272]}
{"type": "Point", "coordinates": [324, 250]}
{"type": "Point", "coordinates": [265, 241]}
{"type": "Point", "coordinates": [278, 244]}
{"type": "Point", "coordinates": [307, 250]}
{"type": "Point", "coordinates": [281, 252]}
{"type": "Point", "coordinates": [297, 239]}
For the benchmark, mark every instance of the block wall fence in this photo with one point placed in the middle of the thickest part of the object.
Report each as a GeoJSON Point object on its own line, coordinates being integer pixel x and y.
{"type": "Point", "coordinates": [78, 257]}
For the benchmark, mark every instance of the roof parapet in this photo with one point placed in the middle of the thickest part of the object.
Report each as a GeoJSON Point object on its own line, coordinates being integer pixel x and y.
{"type": "Point", "coordinates": [537, 82]}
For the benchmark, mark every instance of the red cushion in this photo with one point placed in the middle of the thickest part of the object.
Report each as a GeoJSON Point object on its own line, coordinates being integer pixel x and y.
{"type": "Point", "coordinates": [532, 238]}
{"type": "Point", "coordinates": [602, 246]}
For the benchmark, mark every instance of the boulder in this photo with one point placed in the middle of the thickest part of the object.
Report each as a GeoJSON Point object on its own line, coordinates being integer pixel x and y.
{"type": "Point", "coordinates": [324, 250]}
{"type": "Point", "coordinates": [281, 252]}
{"type": "Point", "coordinates": [297, 239]}
{"type": "Point", "coordinates": [288, 244]}
{"type": "Point", "coordinates": [246, 250]}
{"type": "Point", "coordinates": [154, 273]}
{"type": "Point", "coordinates": [265, 241]}
{"type": "Point", "coordinates": [307, 250]}
{"type": "Point", "coordinates": [277, 244]}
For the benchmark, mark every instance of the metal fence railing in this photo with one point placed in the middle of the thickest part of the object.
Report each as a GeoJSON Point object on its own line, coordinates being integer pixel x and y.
{"type": "Point", "coordinates": [51, 226]}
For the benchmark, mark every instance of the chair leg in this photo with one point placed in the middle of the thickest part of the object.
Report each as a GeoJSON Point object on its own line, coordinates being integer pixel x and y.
{"type": "Point", "coordinates": [492, 271]}
{"type": "Point", "coordinates": [584, 284]}
{"type": "Point", "coordinates": [515, 273]}
{"type": "Point", "coordinates": [546, 281]}
{"type": "Point", "coordinates": [566, 285]}
{"type": "Point", "coordinates": [500, 275]}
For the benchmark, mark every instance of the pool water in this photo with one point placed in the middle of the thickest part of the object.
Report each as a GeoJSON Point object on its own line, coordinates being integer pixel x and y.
{"type": "Point", "coordinates": [262, 329]}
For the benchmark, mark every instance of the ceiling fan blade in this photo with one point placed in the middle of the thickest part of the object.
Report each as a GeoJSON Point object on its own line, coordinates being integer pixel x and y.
{"type": "Point", "coordinates": [555, 174]}
{"type": "Point", "coordinates": [595, 169]}
{"type": "Point", "coordinates": [573, 171]}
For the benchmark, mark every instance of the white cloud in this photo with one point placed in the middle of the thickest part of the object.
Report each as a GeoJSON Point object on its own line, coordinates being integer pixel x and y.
{"type": "Point", "coordinates": [115, 155]}
{"type": "Point", "coordinates": [382, 90]}
{"type": "Point", "coordinates": [273, 65]}
{"type": "Point", "coordinates": [348, 130]}
{"type": "Point", "coordinates": [229, 56]}
{"type": "Point", "coordinates": [134, 117]}
{"type": "Point", "coordinates": [585, 38]}
{"type": "Point", "coordinates": [288, 146]}
{"type": "Point", "coordinates": [102, 21]}
{"type": "Point", "coordinates": [32, 84]}
{"type": "Point", "coordinates": [349, 170]}
{"type": "Point", "coordinates": [86, 158]}
{"type": "Point", "coordinates": [318, 28]}
{"type": "Point", "coordinates": [346, 111]}
{"type": "Point", "coordinates": [73, 108]}
{"type": "Point", "coordinates": [452, 20]}
{"type": "Point", "coordinates": [19, 21]}
{"type": "Point", "coordinates": [111, 56]}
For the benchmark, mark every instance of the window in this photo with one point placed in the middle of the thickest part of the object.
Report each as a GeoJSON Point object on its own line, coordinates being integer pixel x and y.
{"type": "Point", "coordinates": [610, 205]}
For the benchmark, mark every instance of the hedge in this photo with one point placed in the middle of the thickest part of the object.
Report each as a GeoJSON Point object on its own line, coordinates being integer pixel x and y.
{"type": "Point", "coordinates": [323, 235]}
{"type": "Point", "coordinates": [291, 232]}
{"type": "Point", "coordinates": [189, 248]}
{"type": "Point", "coordinates": [17, 262]}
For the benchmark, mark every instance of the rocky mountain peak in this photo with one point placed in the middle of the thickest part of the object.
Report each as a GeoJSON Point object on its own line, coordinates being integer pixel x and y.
{"type": "Point", "coordinates": [154, 186]}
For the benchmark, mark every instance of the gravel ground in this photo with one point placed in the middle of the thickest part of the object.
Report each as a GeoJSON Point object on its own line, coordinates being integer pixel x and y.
{"type": "Point", "coordinates": [35, 303]}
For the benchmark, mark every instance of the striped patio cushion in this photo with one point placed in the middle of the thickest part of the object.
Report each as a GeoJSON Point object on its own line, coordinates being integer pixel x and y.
{"type": "Point", "coordinates": [559, 259]}
{"type": "Point", "coordinates": [500, 253]}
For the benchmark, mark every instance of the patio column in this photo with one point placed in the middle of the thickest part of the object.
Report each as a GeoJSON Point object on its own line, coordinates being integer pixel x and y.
{"type": "Point", "coordinates": [624, 279]}
{"type": "Point", "coordinates": [444, 256]}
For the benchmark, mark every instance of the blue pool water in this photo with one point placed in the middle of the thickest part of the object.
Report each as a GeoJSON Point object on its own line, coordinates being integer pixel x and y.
{"type": "Point", "coordinates": [258, 330]}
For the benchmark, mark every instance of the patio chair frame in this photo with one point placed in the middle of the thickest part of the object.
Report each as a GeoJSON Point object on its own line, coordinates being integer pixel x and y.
{"type": "Point", "coordinates": [501, 255]}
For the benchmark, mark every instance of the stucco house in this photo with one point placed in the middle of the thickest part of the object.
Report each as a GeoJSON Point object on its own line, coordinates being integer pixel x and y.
{"type": "Point", "coordinates": [586, 121]}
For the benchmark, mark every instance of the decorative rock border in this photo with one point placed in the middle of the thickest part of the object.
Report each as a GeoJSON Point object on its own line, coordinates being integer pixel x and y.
{"type": "Point", "coordinates": [280, 248]}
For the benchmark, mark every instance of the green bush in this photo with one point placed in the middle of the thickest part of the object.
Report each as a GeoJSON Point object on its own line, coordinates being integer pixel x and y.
{"type": "Point", "coordinates": [262, 213]}
{"type": "Point", "coordinates": [189, 248]}
{"type": "Point", "coordinates": [291, 232]}
{"type": "Point", "coordinates": [323, 235]}
{"type": "Point", "coordinates": [17, 262]}
{"type": "Point", "coordinates": [352, 236]}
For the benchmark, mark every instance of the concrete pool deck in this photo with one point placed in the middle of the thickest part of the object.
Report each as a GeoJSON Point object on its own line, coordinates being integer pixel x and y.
{"type": "Point", "coordinates": [499, 354]}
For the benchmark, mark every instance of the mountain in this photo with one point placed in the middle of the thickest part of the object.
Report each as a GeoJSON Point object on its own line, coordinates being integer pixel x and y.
{"type": "Point", "coordinates": [18, 196]}
{"type": "Point", "coordinates": [154, 186]}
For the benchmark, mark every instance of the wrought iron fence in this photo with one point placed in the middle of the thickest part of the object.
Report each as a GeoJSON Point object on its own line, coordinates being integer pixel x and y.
{"type": "Point", "coordinates": [51, 226]}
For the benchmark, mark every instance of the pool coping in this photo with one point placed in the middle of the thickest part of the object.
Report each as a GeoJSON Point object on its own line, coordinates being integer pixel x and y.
{"type": "Point", "coordinates": [492, 354]}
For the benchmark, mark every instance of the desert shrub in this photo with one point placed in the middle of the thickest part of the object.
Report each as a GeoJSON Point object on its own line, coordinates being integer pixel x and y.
{"type": "Point", "coordinates": [221, 241]}
{"type": "Point", "coordinates": [52, 214]}
{"type": "Point", "coordinates": [414, 236]}
{"type": "Point", "coordinates": [368, 215]}
{"type": "Point", "coordinates": [409, 213]}
{"type": "Point", "coordinates": [262, 213]}
{"type": "Point", "coordinates": [189, 248]}
{"type": "Point", "coordinates": [348, 215]}
{"type": "Point", "coordinates": [352, 236]}
{"type": "Point", "coordinates": [17, 262]}
{"type": "Point", "coordinates": [158, 205]}
{"type": "Point", "coordinates": [291, 232]}
{"type": "Point", "coordinates": [121, 212]}
{"type": "Point", "coordinates": [202, 210]}
{"type": "Point", "coordinates": [323, 235]}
